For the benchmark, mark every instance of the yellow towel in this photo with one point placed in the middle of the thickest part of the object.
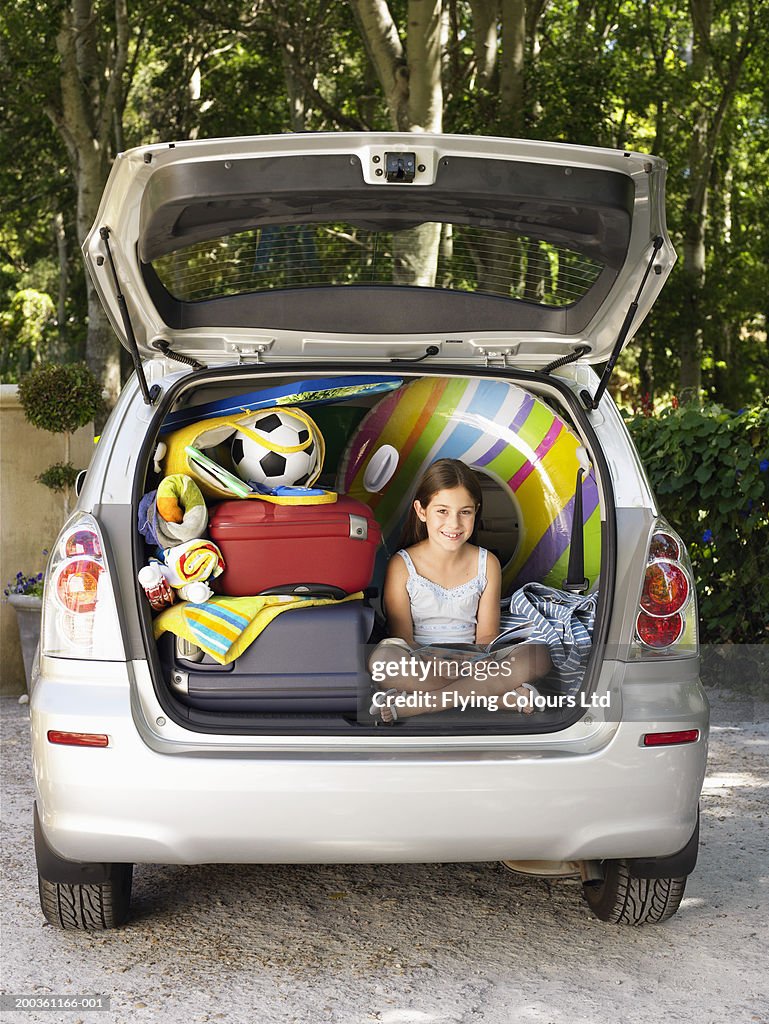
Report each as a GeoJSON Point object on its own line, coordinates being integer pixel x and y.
{"type": "Point", "coordinates": [225, 626]}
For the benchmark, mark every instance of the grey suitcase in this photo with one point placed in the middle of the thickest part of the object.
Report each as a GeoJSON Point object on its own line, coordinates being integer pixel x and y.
{"type": "Point", "coordinates": [306, 661]}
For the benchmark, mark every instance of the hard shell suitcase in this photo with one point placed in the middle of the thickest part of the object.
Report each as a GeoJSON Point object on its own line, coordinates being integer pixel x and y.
{"type": "Point", "coordinates": [306, 661]}
{"type": "Point", "coordinates": [322, 548]}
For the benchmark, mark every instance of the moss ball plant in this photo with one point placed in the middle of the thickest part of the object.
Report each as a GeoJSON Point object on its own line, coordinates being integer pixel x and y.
{"type": "Point", "coordinates": [60, 398]}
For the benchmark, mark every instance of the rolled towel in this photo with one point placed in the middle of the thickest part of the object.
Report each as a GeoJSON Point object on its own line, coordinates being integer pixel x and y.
{"type": "Point", "coordinates": [194, 562]}
{"type": "Point", "coordinates": [176, 512]}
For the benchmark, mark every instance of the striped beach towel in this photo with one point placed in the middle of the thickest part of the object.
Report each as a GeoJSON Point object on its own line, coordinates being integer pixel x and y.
{"type": "Point", "coordinates": [225, 626]}
{"type": "Point", "coordinates": [561, 620]}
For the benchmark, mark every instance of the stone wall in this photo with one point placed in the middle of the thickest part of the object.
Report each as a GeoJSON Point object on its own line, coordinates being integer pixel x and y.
{"type": "Point", "coordinates": [31, 514]}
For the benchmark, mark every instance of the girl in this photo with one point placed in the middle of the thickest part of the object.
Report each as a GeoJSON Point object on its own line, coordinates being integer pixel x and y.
{"type": "Point", "coordinates": [442, 588]}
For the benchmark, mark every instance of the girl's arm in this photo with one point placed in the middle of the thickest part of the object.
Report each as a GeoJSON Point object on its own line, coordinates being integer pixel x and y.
{"type": "Point", "coordinates": [396, 601]}
{"type": "Point", "coordinates": [488, 606]}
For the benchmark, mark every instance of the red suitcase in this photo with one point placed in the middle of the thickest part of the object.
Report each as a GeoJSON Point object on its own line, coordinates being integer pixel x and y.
{"type": "Point", "coordinates": [323, 548]}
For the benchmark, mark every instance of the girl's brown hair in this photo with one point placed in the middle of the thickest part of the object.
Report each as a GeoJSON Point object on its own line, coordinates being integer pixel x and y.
{"type": "Point", "coordinates": [440, 476]}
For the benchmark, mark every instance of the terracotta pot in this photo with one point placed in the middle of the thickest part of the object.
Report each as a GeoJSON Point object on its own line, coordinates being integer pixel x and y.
{"type": "Point", "coordinates": [28, 609]}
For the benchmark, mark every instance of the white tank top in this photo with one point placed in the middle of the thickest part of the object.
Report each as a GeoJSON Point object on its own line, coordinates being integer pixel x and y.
{"type": "Point", "coordinates": [442, 615]}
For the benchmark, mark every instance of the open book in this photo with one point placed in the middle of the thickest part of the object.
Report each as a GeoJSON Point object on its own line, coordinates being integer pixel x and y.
{"type": "Point", "coordinates": [500, 646]}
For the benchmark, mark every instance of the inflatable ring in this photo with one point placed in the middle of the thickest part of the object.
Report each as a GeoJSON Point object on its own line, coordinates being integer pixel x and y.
{"type": "Point", "coordinates": [505, 434]}
{"type": "Point", "coordinates": [211, 433]}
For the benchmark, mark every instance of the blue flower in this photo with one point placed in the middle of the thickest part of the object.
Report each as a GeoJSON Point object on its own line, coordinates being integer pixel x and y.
{"type": "Point", "coordinates": [707, 536]}
{"type": "Point", "coordinates": [763, 465]}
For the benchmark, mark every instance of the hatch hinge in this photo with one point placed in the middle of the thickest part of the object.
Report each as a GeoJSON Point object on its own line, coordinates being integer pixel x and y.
{"type": "Point", "coordinates": [496, 357]}
{"type": "Point", "coordinates": [591, 402]}
{"type": "Point", "coordinates": [163, 346]}
{"type": "Point", "coordinates": [148, 394]}
{"type": "Point", "coordinates": [253, 351]}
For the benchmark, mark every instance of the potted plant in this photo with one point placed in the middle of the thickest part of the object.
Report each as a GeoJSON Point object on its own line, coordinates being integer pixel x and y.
{"type": "Point", "coordinates": [25, 595]}
{"type": "Point", "coordinates": [60, 398]}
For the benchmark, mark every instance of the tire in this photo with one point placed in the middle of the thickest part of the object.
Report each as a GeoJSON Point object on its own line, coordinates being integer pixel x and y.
{"type": "Point", "coordinates": [88, 907]}
{"type": "Point", "coordinates": [622, 899]}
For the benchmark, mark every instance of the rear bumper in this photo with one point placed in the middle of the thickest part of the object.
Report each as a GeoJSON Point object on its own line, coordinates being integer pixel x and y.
{"type": "Point", "coordinates": [130, 803]}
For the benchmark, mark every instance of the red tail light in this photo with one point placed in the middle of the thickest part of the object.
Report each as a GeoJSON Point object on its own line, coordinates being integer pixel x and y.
{"type": "Point", "coordinates": [664, 545]}
{"type": "Point", "coordinates": [659, 632]}
{"type": "Point", "coordinates": [666, 588]}
{"type": "Point", "coordinates": [666, 613]}
{"type": "Point", "coordinates": [82, 542]}
{"type": "Point", "coordinates": [76, 584]}
{"type": "Point", "coordinates": [80, 618]}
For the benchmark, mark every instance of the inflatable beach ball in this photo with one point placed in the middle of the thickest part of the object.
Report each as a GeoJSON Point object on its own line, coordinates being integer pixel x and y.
{"type": "Point", "coordinates": [525, 457]}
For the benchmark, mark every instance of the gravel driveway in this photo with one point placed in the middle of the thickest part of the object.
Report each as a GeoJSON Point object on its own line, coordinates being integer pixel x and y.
{"type": "Point", "coordinates": [409, 944]}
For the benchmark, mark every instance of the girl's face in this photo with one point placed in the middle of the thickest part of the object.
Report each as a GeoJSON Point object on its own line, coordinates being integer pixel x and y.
{"type": "Point", "coordinates": [449, 517]}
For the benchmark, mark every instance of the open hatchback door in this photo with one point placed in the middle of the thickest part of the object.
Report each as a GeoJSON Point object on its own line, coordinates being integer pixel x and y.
{"type": "Point", "coordinates": [472, 250]}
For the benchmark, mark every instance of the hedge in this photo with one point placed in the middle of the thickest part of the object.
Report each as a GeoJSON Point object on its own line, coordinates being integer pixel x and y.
{"type": "Point", "coordinates": [710, 470]}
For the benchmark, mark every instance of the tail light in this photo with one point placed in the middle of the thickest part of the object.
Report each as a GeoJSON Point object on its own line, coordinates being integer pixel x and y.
{"type": "Point", "coordinates": [80, 617]}
{"type": "Point", "coordinates": [666, 621]}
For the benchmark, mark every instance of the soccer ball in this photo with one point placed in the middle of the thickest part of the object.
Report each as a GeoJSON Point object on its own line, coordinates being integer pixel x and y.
{"type": "Point", "coordinates": [279, 448]}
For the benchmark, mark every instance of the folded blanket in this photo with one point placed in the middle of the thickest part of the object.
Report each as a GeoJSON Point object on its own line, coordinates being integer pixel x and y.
{"type": "Point", "coordinates": [561, 620]}
{"type": "Point", "coordinates": [225, 626]}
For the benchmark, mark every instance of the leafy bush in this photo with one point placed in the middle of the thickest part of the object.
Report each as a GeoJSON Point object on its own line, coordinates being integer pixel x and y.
{"type": "Point", "coordinates": [710, 471]}
{"type": "Point", "coordinates": [59, 476]}
{"type": "Point", "coordinates": [60, 398]}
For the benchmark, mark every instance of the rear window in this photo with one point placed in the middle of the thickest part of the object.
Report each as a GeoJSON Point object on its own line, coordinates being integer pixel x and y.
{"type": "Point", "coordinates": [454, 257]}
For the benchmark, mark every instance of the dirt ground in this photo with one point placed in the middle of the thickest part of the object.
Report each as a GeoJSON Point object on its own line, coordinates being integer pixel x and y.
{"type": "Point", "coordinates": [410, 944]}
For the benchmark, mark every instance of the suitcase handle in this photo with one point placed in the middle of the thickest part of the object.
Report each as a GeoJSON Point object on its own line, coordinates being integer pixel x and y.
{"type": "Point", "coordinates": [308, 590]}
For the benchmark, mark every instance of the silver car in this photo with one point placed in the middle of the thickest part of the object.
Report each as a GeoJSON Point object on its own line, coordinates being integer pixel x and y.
{"type": "Point", "coordinates": [416, 296]}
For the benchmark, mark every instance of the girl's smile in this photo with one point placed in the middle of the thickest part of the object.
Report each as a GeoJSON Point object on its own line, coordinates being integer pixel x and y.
{"type": "Point", "coordinates": [449, 516]}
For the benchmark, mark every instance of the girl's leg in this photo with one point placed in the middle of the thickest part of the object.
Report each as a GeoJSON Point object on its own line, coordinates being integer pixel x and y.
{"type": "Point", "coordinates": [526, 663]}
{"type": "Point", "coordinates": [393, 663]}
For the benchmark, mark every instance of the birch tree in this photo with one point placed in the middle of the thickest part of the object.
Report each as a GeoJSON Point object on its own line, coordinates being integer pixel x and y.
{"type": "Point", "coordinates": [719, 49]}
{"type": "Point", "coordinates": [92, 45]}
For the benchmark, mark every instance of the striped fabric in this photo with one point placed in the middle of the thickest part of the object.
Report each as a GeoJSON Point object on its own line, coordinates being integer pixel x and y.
{"type": "Point", "coordinates": [215, 625]}
{"type": "Point", "coordinates": [225, 626]}
{"type": "Point", "coordinates": [561, 620]}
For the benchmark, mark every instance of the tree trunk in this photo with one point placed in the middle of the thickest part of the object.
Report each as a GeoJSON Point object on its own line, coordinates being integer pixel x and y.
{"type": "Point", "coordinates": [414, 95]}
{"type": "Point", "coordinates": [295, 93]}
{"type": "Point", "coordinates": [512, 73]}
{"type": "Point", "coordinates": [423, 41]}
{"type": "Point", "coordinates": [91, 101]}
{"type": "Point", "coordinates": [63, 290]}
{"type": "Point", "coordinates": [696, 211]}
{"type": "Point", "coordinates": [485, 39]}
{"type": "Point", "coordinates": [385, 50]}
{"type": "Point", "coordinates": [705, 139]}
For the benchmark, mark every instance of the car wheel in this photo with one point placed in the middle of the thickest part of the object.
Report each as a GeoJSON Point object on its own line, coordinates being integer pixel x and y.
{"type": "Point", "coordinates": [622, 899]}
{"type": "Point", "coordinates": [88, 907]}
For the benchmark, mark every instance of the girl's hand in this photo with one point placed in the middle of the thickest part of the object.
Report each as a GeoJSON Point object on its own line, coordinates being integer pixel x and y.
{"type": "Point", "coordinates": [488, 606]}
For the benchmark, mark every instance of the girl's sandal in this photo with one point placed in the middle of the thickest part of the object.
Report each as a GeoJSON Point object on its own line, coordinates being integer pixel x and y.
{"type": "Point", "coordinates": [385, 712]}
{"type": "Point", "coordinates": [534, 692]}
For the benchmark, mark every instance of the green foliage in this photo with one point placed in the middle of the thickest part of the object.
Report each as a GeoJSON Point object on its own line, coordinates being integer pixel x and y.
{"type": "Point", "coordinates": [599, 73]}
{"type": "Point", "coordinates": [27, 327]}
{"type": "Point", "coordinates": [60, 398]}
{"type": "Point", "coordinates": [710, 470]}
{"type": "Point", "coordinates": [59, 477]}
